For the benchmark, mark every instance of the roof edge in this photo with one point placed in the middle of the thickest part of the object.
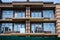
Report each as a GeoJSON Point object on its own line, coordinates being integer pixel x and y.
{"type": "Point", "coordinates": [57, 3]}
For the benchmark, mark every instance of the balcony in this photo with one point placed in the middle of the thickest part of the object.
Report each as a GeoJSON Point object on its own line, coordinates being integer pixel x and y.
{"type": "Point", "coordinates": [31, 20]}
{"type": "Point", "coordinates": [38, 32]}
{"type": "Point", "coordinates": [6, 20]}
{"type": "Point", "coordinates": [29, 34]}
{"type": "Point", "coordinates": [42, 20]}
{"type": "Point", "coordinates": [25, 3]}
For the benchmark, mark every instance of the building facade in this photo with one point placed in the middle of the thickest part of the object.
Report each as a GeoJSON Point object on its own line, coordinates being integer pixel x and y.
{"type": "Point", "coordinates": [30, 19]}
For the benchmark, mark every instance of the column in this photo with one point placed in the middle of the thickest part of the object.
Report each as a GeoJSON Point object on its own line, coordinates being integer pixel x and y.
{"type": "Point", "coordinates": [27, 12]}
{"type": "Point", "coordinates": [28, 21]}
{"type": "Point", "coordinates": [27, 26]}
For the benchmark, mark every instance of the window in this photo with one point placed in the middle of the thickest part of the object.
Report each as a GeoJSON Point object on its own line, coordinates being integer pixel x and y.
{"type": "Point", "coordinates": [48, 14]}
{"type": "Point", "coordinates": [49, 27]}
{"type": "Point", "coordinates": [36, 14]}
{"type": "Point", "coordinates": [19, 28]}
{"type": "Point", "coordinates": [6, 27]}
{"type": "Point", "coordinates": [19, 14]}
{"type": "Point", "coordinates": [36, 27]}
{"type": "Point", "coordinates": [42, 27]}
{"type": "Point", "coordinates": [7, 14]}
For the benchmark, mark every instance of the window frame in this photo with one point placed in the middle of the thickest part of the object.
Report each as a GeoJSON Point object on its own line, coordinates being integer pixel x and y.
{"type": "Point", "coordinates": [49, 10]}
{"type": "Point", "coordinates": [5, 17]}
{"type": "Point", "coordinates": [21, 23]}
{"type": "Point", "coordinates": [36, 10]}
{"type": "Point", "coordinates": [50, 23]}
{"type": "Point", "coordinates": [42, 23]}
{"type": "Point", "coordinates": [13, 16]}
{"type": "Point", "coordinates": [20, 11]}
{"type": "Point", "coordinates": [35, 23]}
{"type": "Point", "coordinates": [6, 24]}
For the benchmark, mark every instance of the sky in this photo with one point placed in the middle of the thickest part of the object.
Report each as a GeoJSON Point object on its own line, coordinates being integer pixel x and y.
{"type": "Point", "coordinates": [55, 1]}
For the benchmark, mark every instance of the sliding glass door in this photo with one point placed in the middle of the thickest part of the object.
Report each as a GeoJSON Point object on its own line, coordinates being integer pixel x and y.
{"type": "Point", "coordinates": [19, 28]}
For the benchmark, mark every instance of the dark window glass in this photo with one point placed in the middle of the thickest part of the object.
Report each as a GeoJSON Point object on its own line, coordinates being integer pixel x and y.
{"type": "Point", "coordinates": [19, 28]}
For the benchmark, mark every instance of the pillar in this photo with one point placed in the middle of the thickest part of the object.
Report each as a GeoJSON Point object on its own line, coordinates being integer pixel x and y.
{"type": "Point", "coordinates": [28, 21]}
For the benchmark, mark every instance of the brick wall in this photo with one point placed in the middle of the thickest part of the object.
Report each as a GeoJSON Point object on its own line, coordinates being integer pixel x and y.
{"type": "Point", "coordinates": [58, 19]}
{"type": "Point", "coordinates": [27, 21]}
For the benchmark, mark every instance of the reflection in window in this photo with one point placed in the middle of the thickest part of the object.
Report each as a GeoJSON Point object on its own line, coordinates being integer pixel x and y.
{"type": "Point", "coordinates": [7, 14]}
{"type": "Point", "coordinates": [49, 27]}
{"type": "Point", "coordinates": [36, 27]}
{"type": "Point", "coordinates": [36, 14]}
{"type": "Point", "coordinates": [19, 28]}
{"type": "Point", "coordinates": [48, 14]}
{"type": "Point", "coordinates": [20, 14]}
{"type": "Point", "coordinates": [6, 27]}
